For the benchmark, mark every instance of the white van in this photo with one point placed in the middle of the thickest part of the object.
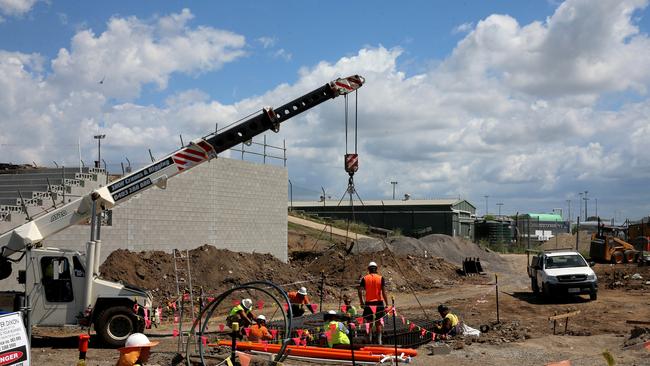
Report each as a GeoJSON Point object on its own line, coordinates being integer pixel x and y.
{"type": "Point", "coordinates": [558, 273]}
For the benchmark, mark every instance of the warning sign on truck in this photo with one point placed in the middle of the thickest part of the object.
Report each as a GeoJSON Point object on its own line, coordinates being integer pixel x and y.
{"type": "Point", "coordinates": [14, 346]}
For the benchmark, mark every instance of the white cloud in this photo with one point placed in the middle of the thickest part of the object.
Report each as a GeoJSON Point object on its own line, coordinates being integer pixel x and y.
{"type": "Point", "coordinates": [463, 28]}
{"type": "Point", "coordinates": [267, 42]}
{"type": "Point", "coordinates": [49, 109]}
{"type": "Point", "coordinates": [16, 7]}
{"type": "Point", "coordinates": [283, 54]}
{"type": "Point", "coordinates": [131, 53]}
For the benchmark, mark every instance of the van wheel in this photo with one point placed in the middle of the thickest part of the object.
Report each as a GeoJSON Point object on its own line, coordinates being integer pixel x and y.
{"type": "Point", "coordinates": [546, 291]}
{"type": "Point", "coordinates": [115, 324]}
{"type": "Point", "coordinates": [593, 296]}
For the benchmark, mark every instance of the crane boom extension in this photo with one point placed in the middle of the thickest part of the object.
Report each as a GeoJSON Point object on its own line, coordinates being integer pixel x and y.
{"type": "Point", "coordinates": [157, 173]}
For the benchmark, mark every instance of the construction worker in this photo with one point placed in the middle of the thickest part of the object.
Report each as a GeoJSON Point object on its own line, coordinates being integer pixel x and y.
{"type": "Point", "coordinates": [450, 323]}
{"type": "Point", "coordinates": [136, 350]}
{"type": "Point", "coordinates": [242, 313]}
{"type": "Point", "coordinates": [259, 332]}
{"type": "Point", "coordinates": [336, 332]}
{"type": "Point", "coordinates": [373, 306]}
{"type": "Point", "coordinates": [350, 310]}
{"type": "Point", "coordinates": [298, 300]}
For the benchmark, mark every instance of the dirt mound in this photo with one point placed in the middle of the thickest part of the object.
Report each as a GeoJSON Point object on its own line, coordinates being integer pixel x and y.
{"type": "Point", "coordinates": [345, 271]}
{"type": "Point", "coordinates": [213, 269]}
{"type": "Point", "coordinates": [629, 277]}
{"type": "Point", "coordinates": [452, 249]}
{"type": "Point", "coordinates": [566, 240]}
{"type": "Point", "coordinates": [216, 270]}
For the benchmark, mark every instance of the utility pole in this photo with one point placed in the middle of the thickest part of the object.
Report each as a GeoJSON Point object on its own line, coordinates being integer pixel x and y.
{"type": "Point", "coordinates": [580, 201]}
{"type": "Point", "coordinates": [586, 199]}
{"type": "Point", "coordinates": [596, 199]}
{"type": "Point", "coordinates": [99, 139]}
{"type": "Point", "coordinates": [394, 183]}
{"type": "Point", "coordinates": [569, 214]}
{"type": "Point", "coordinates": [499, 204]}
{"type": "Point", "coordinates": [486, 204]}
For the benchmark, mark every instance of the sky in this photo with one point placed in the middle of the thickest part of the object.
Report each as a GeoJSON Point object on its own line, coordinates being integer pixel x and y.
{"type": "Point", "coordinates": [527, 102]}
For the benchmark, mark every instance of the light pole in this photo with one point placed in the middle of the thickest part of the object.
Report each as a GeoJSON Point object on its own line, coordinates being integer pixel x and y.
{"type": "Point", "coordinates": [486, 204]}
{"type": "Point", "coordinates": [499, 204]}
{"type": "Point", "coordinates": [99, 139]}
{"type": "Point", "coordinates": [394, 183]}
{"type": "Point", "coordinates": [586, 199]}
{"type": "Point", "coordinates": [596, 199]}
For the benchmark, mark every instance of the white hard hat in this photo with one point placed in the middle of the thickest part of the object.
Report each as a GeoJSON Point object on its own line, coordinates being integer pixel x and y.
{"type": "Point", "coordinates": [303, 291]}
{"type": "Point", "coordinates": [261, 317]}
{"type": "Point", "coordinates": [137, 340]}
{"type": "Point", "coordinates": [332, 312]}
{"type": "Point", "coordinates": [372, 264]}
{"type": "Point", "coordinates": [247, 303]}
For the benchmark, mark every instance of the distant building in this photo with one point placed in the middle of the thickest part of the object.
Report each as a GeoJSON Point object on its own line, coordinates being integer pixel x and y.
{"type": "Point", "coordinates": [540, 227]}
{"type": "Point", "coordinates": [417, 218]}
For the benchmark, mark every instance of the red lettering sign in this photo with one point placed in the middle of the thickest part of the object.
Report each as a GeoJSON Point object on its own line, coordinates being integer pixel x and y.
{"type": "Point", "coordinates": [8, 357]}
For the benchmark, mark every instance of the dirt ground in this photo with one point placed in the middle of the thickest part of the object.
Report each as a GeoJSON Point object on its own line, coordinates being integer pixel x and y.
{"type": "Point", "coordinates": [523, 337]}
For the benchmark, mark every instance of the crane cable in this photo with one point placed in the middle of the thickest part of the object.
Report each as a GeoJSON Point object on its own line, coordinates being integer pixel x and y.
{"type": "Point", "coordinates": [351, 189]}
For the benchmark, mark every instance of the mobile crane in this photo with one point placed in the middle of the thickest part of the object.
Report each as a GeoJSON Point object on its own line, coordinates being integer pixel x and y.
{"type": "Point", "coordinates": [56, 295]}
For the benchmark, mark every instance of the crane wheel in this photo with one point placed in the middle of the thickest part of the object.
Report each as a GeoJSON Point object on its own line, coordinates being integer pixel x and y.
{"type": "Point", "coordinates": [618, 258]}
{"type": "Point", "coordinates": [630, 256]}
{"type": "Point", "coordinates": [115, 324]}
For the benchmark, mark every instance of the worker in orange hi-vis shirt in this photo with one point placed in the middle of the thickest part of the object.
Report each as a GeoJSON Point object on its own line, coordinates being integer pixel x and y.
{"type": "Point", "coordinates": [373, 306]}
{"type": "Point", "coordinates": [298, 300]}
{"type": "Point", "coordinates": [259, 332]}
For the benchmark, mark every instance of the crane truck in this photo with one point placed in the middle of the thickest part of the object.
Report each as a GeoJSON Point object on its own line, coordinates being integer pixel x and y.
{"type": "Point", "coordinates": [62, 287]}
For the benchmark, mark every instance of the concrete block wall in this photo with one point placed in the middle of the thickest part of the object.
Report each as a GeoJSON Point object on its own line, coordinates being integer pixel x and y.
{"type": "Point", "coordinates": [227, 203]}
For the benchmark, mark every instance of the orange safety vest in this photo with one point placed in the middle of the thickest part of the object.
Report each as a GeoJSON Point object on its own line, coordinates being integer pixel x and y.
{"type": "Point", "coordinates": [372, 282]}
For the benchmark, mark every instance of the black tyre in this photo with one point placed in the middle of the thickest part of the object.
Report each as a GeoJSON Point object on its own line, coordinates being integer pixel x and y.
{"type": "Point", "coordinates": [534, 287]}
{"type": "Point", "coordinates": [630, 256]}
{"type": "Point", "coordinates": [618, 258]}
{"type": "Point", "coordinates": [115, 324]}
{"type": "Point", "coordinates": [593, 296]}
{"type": "Point", "coordinates": [546, 291]}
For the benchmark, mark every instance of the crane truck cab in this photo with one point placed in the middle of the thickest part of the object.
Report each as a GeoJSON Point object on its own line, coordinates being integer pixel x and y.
{"type": "Point", "coordinates": [55, 282]}
{"type": "Point", "coordinates": [562, 273]}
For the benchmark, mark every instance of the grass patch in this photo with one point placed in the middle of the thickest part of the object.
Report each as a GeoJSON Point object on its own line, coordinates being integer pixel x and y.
{"type": "Point", "coordinates": [354, 227]}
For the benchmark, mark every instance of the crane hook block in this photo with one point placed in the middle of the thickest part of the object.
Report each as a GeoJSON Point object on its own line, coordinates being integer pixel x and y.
{"type": "Point", "coordinates": [351, 163]}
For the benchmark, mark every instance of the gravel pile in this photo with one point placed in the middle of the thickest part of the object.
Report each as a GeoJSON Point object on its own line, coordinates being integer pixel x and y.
{"type": "Point", "coordinates": [452, 249]}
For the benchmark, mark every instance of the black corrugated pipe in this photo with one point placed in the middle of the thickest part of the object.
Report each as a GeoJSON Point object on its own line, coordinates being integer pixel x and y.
{"type": "Point", "coordinates": [212, 306]}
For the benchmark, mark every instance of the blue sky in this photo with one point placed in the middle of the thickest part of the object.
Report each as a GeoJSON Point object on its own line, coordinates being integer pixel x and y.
{"type": "Point", "coordinates": [309, 31]}
{"type": "Point", "coordinates": [529, 102]}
